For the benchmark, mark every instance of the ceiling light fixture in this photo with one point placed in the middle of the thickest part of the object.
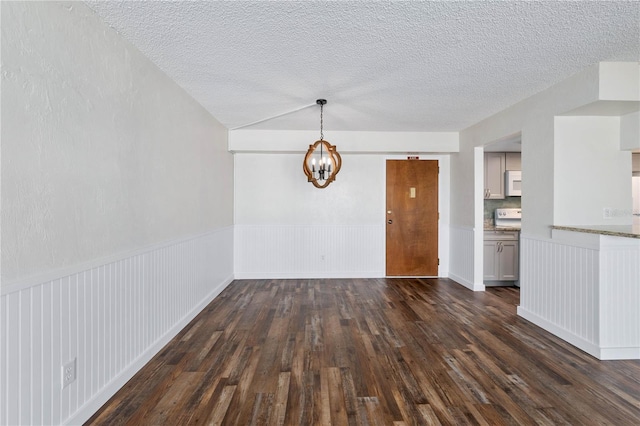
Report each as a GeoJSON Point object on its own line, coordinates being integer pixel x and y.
{"type": "Point", "coordinates": [322, 162]}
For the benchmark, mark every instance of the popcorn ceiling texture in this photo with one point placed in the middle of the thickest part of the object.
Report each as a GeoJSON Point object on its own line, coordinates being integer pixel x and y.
{"type": "Point", "coordinates": [383, 66]}
{"type": "Point", "coordinates": [101, 152]}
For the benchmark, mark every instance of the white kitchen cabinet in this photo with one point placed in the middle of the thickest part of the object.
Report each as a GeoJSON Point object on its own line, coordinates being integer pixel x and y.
{"type": "Point", "coordinates": [490, 260]}
{"type": "Point", "coordinates": [513, 161]}
{"type": "Point", "coordinates": [501, 260]}
{"type": "Point", "coordinates": [494, 166]}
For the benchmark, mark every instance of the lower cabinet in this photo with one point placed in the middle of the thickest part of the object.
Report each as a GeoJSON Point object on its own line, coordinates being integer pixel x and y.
{"type": "Point", "coordinates": [501, 259]}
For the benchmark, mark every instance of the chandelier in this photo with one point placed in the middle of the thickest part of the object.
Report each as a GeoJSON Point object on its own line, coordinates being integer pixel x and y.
{"type": "Point", "coordinates": [322, 162]}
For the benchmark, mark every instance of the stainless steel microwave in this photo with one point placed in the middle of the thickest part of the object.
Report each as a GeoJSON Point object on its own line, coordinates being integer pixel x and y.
{"type": "Point", "coordinates": [513, 183]}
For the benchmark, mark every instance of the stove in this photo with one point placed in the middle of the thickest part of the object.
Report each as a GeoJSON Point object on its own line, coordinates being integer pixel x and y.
{"type": "Point", "coordinates": [508, 218]}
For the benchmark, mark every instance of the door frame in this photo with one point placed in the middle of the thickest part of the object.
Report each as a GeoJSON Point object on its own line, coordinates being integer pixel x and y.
{"type": "Point", "coordinates": [444, 202]}
{"type": "Point", "coordinates": [478, 209]}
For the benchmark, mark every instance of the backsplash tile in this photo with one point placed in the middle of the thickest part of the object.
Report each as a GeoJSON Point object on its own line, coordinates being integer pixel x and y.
{"type": "Point", "coordinates": [491, 205]}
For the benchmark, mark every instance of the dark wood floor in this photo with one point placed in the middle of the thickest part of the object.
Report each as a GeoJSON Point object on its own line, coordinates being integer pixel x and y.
{"type": "Point", "coordinates": [376, 352]}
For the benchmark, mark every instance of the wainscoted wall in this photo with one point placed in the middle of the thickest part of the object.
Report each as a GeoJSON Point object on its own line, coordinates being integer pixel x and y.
{"type": "Point", "coordinates": [461, 256]}
{"type": "Point", "coordinates": [284, 225]}
{"type": "Point", "coordinates": [584, 288]}
{"type": "Point", "coordinates": [620, 296]}
{"type": "Point", "coordinates": [309, 251]}
{"type": "Point", "coordinates": [112, 317]}
{"type": "Point", "coordinates": [559, 284]}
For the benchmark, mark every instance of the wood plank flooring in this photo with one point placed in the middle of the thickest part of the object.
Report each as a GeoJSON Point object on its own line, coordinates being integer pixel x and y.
{"type": "Point", "coordinates": [372, 352]}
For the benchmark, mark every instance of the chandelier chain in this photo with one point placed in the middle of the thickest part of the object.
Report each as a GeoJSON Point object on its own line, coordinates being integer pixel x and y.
{"type": "Point", "coordinates": [321, 121]}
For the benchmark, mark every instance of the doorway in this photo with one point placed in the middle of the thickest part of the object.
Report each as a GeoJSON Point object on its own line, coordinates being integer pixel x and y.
{"type": "Point", "coordinates": [635, 185]}
{"type": "Point", "coordinates": [412, 218]}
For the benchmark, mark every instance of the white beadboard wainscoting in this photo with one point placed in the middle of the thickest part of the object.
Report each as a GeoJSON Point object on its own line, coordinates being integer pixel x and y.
{"type": "Point", "coordinates": [309, 251]}
{"type": "Point", "coordinates": [584, 288]}
{"type": "Point", "coordinates": [112, 317]}
{"type": "Point", "coordinates": [461, 257]}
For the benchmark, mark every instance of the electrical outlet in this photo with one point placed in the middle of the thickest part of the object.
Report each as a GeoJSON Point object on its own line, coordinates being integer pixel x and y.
{"type": "Point", "coordinates": [68, 373]}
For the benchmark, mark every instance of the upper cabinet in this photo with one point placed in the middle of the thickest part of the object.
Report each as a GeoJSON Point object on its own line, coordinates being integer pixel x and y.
{"type": "Point", "coordinates": [513, 161]}
{"type": "Point", "coordinates": [494, 167]}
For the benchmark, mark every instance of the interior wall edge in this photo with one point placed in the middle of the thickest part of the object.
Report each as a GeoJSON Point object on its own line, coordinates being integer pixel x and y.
{"type": "Point", "coordinates": [461, 256]}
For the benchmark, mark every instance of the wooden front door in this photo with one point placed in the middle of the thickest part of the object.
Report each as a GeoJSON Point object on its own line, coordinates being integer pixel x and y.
{"type": "Point", "coordinates": [412, 218]}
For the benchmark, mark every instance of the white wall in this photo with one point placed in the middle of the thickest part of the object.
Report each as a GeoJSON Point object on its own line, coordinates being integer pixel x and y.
{"type": "Point", "coordinates": [117, 211]}
{"type": "Point", "coordinates": [272, 189]}
{"type": "Point", "coordinates": [573, 168]}
{"type": "Point", "coordinates": [630, 131]}
{"type": "Point", "coordinates": [592, 173]}
{"type": "Point", "coordinates": [619, 81]}
{"type": "Point", "coordinates": [96, 160]}
{"type": "Point", "coordinates": [534, 119]}
{"type": "Point", "coordinates": [285, 227]}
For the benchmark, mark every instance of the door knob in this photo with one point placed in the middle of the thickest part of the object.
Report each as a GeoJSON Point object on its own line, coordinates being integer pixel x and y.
{"type": "Point", "coordinates": [390, 221]}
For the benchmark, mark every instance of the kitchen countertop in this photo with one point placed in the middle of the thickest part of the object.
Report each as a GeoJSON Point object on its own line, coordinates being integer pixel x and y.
{"type": "Point", "coordinates": [499, 228]}
{"type": "Point", "coordinates": [627, 231]}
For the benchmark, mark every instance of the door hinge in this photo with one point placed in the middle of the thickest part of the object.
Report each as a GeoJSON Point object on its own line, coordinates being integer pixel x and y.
{"type": "Point", "coordinates": [438, 261]}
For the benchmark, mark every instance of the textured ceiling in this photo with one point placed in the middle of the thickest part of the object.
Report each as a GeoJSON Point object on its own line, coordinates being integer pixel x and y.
{"type": "Point", "coordinates": [382, 66]}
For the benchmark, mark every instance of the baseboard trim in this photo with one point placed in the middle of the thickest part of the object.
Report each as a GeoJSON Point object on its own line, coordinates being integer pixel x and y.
{"type": "Point", "coordinates": [607, 354]}
{"type": "Point", "coordinates": [569, 337]}
{"type": "Point", "coordinates": [601, 353]}
{"type": "Point", "coordinates": [466, 283]}
{"type": "Point", "coordinates": [308, 275]}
